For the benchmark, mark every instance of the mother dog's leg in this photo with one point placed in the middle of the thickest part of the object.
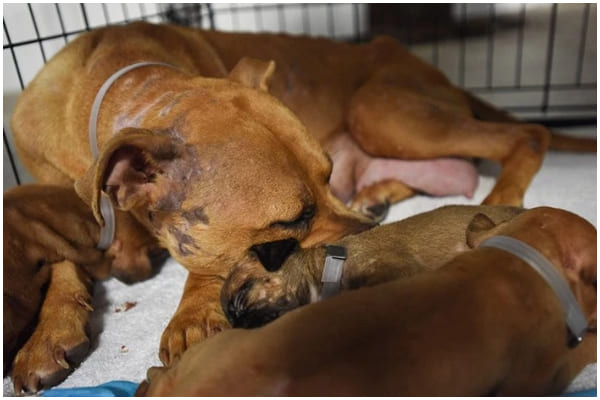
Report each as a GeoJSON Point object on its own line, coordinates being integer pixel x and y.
{"type": "Point", "coordinates": [198, 316]}
{"type": "Point", "coordinates": [59, 341]}
{"type": "Point", "coordinates": [374, 200]}
{"type": "Point", "coordinates": [389, 119]}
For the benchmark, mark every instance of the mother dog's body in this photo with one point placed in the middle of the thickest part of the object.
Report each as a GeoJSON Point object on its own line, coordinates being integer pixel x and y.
{"type": "Point", "coordinates": [213, 168]}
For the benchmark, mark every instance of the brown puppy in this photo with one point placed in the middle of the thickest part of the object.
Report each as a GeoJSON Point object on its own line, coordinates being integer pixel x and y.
{"type": "Point", "coordinates": [485, 323]}
{"type": "Point", "coordinates": [252, 296]}
{"type": "Point", "coordinates": [50, 260]}
{"type": "Point", "coordinates": [215, 168]}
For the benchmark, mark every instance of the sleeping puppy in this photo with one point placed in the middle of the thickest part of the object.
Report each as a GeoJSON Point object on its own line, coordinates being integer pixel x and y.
{"type": "Point", "coordinates": [251, 296]}
{"type": "Point", "coordinates": [485, 323]}
{"type": "Point", "coordinates": [50, 262]}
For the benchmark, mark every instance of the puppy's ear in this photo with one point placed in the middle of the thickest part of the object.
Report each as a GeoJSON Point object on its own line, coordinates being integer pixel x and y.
{"type": "Point", "coordinates": [479, 229]}
{"type": "Point", "coordinates": [128, 169]}
{"type": "Point", "coordinates": [253, 73]}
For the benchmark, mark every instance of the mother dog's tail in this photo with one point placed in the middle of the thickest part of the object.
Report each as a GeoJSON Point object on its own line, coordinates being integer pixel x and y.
{"type": "Point", "coordinates": [487, 112]}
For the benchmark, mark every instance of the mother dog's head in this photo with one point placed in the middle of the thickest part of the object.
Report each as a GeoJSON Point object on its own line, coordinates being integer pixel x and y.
{"type": "Point", "coordinates": [217, 169]}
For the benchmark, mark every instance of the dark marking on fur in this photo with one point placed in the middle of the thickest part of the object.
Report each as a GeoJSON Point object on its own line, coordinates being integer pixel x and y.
{"type": "Point", "coordinates": [241, 102]}
{"type": "Point", "coordinates": [196, 215]}
{"type": "Point", "coordinates": [184, 242]}
{"type": "Point", "coordinates": [171, 201]}
{"type": "Point", "coordinates": [154, 221]}
{"type": "Point", "coordinates": [166, 153]}
{"type": "Point", "coordinates": [179, 123]}
{"type": "Point", "coordinates": [176, 177]}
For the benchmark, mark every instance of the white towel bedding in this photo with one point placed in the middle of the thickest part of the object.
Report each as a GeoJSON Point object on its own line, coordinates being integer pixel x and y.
{"type": "Point", "coordinates": [125, 343]}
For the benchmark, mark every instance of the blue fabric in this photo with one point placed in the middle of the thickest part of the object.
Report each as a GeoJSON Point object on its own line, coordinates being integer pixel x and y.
{"type": "Point", "coordinates": [108, 389]}
{"type": "Point", "coordinates": [583, 393]}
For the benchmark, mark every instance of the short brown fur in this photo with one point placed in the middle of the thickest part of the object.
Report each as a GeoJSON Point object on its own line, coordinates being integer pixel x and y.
{"type": "Point", "coordinates": [50, 261]}
{"type": "Point", "coordinates": [207, 134]}
{"type": "Point", "coordinates": [485, 323]}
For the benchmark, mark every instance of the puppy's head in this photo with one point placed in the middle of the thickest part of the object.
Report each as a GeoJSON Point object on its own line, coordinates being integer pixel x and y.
{"type": "Point", "coordinates": [565, 239]}
{"type": "Point", "coordinates": [252, 297]}
{"type": "Point", "coordinates": [221, 170]}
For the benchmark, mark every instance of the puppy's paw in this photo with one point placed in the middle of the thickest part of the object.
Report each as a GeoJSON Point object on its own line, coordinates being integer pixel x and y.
{"type": "Point", "coordinates": [188, 326]}
{"type": "Point", "coordinates": [50, 354]}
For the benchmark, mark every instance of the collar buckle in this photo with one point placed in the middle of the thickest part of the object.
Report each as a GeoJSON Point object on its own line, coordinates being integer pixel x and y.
{"type": "Point", "coordinates": [332, 270]}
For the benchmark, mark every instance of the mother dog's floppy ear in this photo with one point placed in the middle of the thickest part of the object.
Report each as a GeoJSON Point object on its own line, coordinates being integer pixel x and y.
{"type": "Point", "coordinates": [253, 73]}
{"type": "Point", "coordinates": [127, 169]}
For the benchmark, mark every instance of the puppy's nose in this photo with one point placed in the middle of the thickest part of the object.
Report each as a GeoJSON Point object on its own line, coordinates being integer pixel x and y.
{"type": "Point", "coordinates": [272, 255]}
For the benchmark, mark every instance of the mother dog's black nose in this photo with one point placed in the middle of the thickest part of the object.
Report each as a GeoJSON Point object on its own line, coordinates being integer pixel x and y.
{"type": "Point", "coordinates": [272, 255]}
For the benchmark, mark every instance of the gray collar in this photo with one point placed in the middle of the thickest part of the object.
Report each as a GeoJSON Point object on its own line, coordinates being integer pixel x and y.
{"type": "Point", "coordinates": [107, 232]}
{"type": "Point", "coordinates": [332, 270]}
{"type": "Point", "coordinates": [575, 319]}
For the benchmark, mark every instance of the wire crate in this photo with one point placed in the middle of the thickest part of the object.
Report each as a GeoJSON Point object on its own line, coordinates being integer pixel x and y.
{"type": "Point", "coordinates": [535, 60]}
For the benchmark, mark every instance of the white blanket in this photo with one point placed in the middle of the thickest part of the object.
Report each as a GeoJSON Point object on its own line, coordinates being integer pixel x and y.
{"type": "Point", "coordinates": [125, 343]}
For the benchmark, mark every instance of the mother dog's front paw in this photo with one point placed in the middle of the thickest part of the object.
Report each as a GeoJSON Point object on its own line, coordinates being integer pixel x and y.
{"type": "Point", "coordinates": [49, 355]}
{"type": "Point", "coordinates": [188, 327]}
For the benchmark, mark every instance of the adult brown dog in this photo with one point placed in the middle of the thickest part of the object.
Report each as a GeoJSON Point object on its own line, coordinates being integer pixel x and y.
{"type": "Point", "coordinates": [484, 323]}
{"type": "Point", "coordinates": [50, 260]}
{"type": "Point", "coordinates": [202, 157]}
{"type": "Point", "coordinates": [213, 168]}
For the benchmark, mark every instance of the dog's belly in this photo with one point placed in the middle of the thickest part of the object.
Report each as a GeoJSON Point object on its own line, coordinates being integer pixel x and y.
{"type": "Point", "coordinates": [437, 177]}
{"type": "Point", "coordinates": [353, 170]}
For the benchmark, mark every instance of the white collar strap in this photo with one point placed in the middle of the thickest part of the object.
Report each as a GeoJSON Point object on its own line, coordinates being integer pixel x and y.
{"type": "Point", "coordinates": [332, 270]}
{"type": "Point", "coordinates": [575, 319]}
{"type": "Point", "coordinates": [107, 232]}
